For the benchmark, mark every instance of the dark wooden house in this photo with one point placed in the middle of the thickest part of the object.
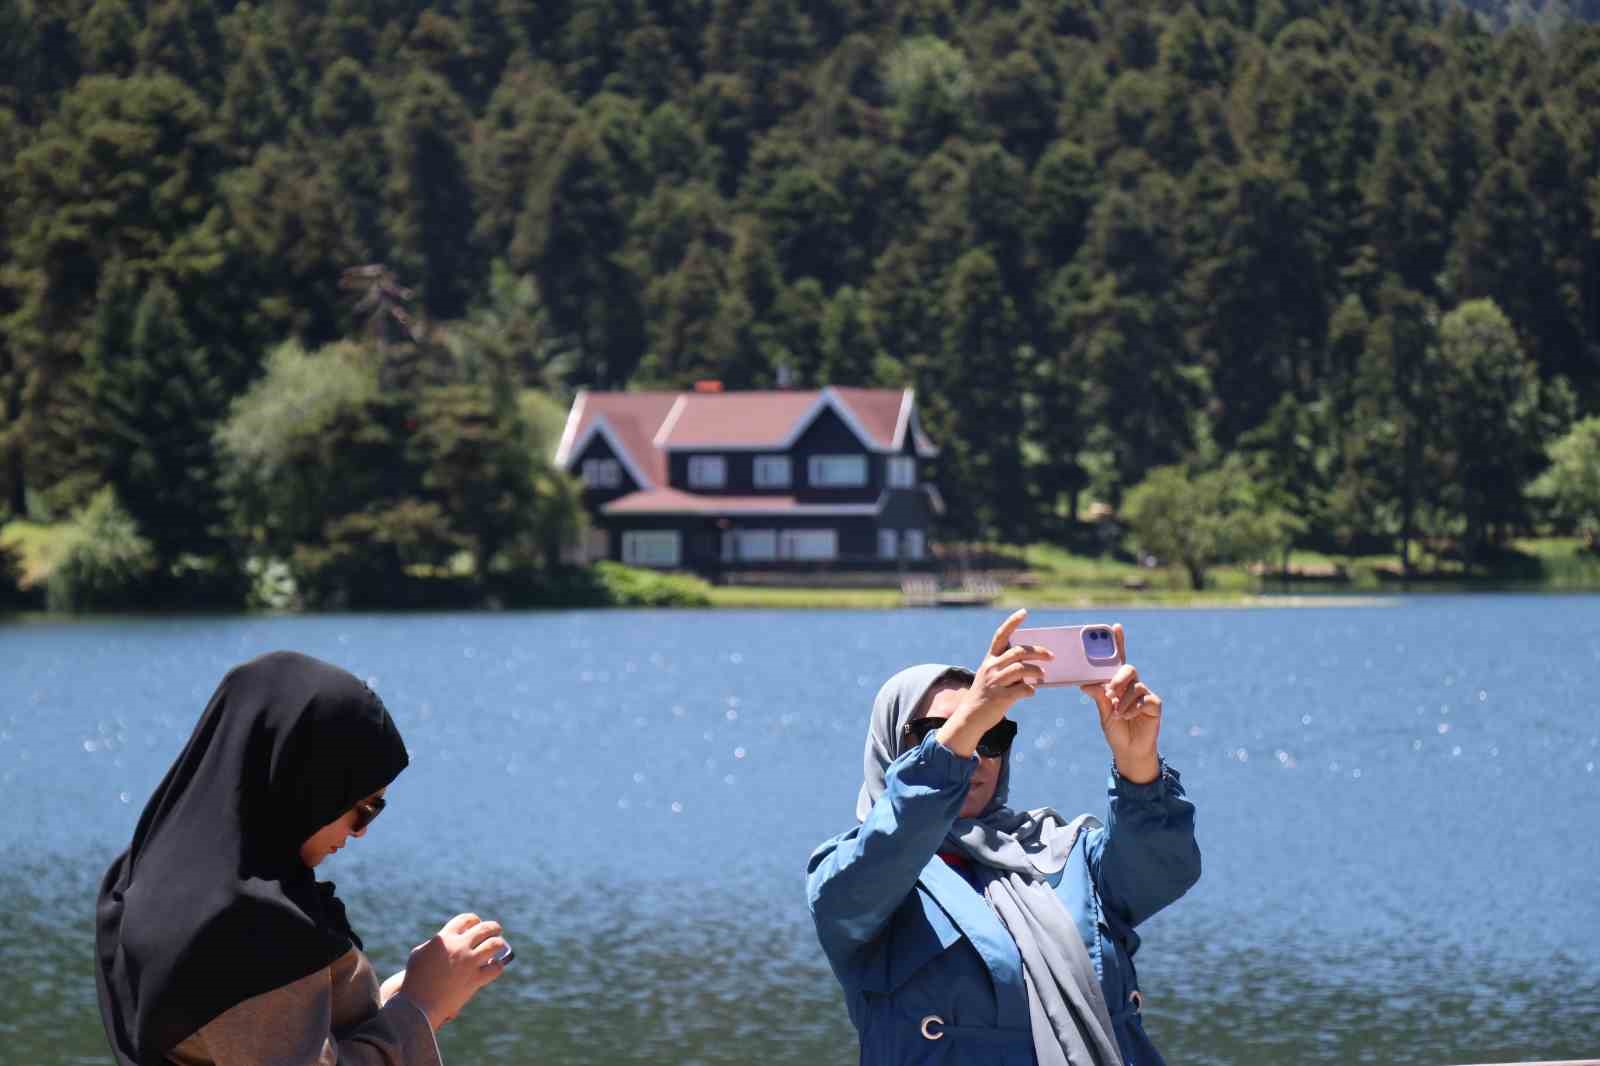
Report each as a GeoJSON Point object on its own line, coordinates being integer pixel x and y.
{"type": "Point", "coordinates": [711, 480]}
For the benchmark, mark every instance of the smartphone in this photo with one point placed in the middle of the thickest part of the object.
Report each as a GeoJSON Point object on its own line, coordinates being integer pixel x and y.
{"type": "Point", "coordinates": [1083, 654]}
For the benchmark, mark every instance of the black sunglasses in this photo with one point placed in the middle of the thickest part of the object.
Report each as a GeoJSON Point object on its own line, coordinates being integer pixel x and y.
{"type": "Point", "coordinates": [366, 811]}
{"type": "Point", "coordinates": [993, 744]}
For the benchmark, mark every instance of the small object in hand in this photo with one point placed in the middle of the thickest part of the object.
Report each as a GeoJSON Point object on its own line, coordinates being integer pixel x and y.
{"type": "Point", "coordinates": [1082, 654]}
{"type": "Point", "coordinates": [504, 955]}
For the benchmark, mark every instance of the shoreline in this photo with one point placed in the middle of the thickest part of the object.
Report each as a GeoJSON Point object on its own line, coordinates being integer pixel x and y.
{"type": "Point", "coordinates": [787, 599]}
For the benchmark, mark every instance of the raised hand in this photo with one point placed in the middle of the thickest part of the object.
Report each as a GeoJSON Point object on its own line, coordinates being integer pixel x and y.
{"type": "Point", "coordinates": [1007, 674]}
{"type": "Point", "coordinates": [444, 972]}
{"type": "Point", "coordinates": [1130, 717]}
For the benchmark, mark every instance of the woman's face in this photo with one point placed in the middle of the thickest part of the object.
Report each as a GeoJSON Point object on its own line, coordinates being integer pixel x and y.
{"type": "Point", "coordinates": [333, 836]}
{"type": "Point", "coordinates": [943, 704]}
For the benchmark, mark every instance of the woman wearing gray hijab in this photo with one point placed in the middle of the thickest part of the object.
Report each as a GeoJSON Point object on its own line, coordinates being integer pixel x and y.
{"type": "Point", "coordinates": [964, 931]}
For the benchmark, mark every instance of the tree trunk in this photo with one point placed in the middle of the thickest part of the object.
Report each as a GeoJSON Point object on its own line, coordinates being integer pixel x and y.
{"type": "Point", "coordinates": [1408, 492]}
{"type": "Point", "coordinates": [16, 480]}
{"type": "Point", "coordinates": [16, 475]}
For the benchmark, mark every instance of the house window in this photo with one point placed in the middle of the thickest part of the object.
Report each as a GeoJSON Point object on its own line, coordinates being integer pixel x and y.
{"type": "Point", "coordinates": [707, 471]}
{"type": "Point", "coordinates": [902, 472]}
{"type": "Point", "coordinates": [807, 545]}
{"type": "Point", "coordinates": [838, 471]}
{"type": "Point", "coordinates": [657, 547]}
{"type": "Point", "coordinates": [602, 474]}
{"type": "Point", "coordinates": [888, 543]}
{"type": "Point", "coordinates": [751, 546]}
{"type": "Point", "coordinates": [914, 545]}
{"type": "Point", "coordinates": [772, 471]}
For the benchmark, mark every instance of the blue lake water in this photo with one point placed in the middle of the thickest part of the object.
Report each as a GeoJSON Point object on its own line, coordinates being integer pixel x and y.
{"type": "Point", "coordinates": [1399, 810]}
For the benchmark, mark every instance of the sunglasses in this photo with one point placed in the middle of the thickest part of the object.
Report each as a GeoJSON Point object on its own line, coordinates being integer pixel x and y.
{"type": "Point", "coordinates": [993, 744]}
{"type": "Point", "coordinates": [366, 811]}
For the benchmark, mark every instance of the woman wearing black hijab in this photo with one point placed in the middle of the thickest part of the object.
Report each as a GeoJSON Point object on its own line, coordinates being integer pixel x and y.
{"type": "Point", "coordinates": [215, 942]}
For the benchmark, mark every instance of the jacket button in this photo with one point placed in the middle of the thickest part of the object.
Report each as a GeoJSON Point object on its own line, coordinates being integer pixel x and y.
{"type": "Point", "coordinates": [932, 1019]}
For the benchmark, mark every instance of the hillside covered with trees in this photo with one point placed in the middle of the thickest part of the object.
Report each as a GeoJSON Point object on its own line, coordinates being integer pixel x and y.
{"type": "Point", "coordinates": [1341, 257]}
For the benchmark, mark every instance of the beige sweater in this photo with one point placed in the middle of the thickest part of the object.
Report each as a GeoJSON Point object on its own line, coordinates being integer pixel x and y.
{"type": "Point", "coordinates": [330, 1018]}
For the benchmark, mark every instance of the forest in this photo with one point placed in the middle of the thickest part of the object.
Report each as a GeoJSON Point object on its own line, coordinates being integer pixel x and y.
{"type": "Point", "coordinates": [296, 293]}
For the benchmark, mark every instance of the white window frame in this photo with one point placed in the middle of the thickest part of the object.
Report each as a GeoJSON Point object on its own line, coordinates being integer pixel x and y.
{"type": "Point", "coordinates": [773, 471]}
{"type": "Point", "coordinates": [845, 471]}
{"type": "Point", "coordinates": [602, 474]}
{"type": "Point", "coordinates": [901, 472]}
{"type": "Point", "coordinates": [807, 545]}
{"type": "Point", "coordinates": [658, 548]}
{"type": "Point", "coordinates": [888, 544]}
{"type": "Point", "coordinates": [707, 471]}
{"type": "Point", "coordinates": [914, 544]}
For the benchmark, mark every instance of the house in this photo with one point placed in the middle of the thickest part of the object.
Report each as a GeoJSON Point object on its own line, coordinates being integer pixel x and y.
{"type": "Point", "coordinates": [711, 480]}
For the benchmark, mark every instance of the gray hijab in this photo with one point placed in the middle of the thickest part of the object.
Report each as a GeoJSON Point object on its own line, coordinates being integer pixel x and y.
{"type": "Point", "coordinates": [1066, 1007]}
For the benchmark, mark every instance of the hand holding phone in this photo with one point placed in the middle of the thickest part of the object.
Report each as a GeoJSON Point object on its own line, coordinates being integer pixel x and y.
{"type": "Point", "coordinates": [1083, 655]}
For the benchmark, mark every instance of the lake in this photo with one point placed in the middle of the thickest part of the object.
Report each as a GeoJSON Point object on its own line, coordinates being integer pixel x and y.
{"type": "Point", "coordinates": [1399, 810]}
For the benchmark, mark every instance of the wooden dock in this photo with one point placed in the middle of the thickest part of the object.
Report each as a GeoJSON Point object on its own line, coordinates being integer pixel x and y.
{"type": "Point", "coordinates": [925, 590]}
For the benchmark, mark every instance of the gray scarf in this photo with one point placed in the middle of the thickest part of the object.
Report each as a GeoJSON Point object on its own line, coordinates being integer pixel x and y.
{"type": "Point", "coordinates": [1067, 1009]}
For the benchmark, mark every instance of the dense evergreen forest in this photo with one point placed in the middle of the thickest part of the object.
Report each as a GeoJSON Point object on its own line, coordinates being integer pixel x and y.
{"type": "Point", "coordinates": [1338, 259]}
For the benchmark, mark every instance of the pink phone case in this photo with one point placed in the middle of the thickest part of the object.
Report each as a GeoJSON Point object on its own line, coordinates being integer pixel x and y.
{"type": "Point", "coordinates": [1079, 660]}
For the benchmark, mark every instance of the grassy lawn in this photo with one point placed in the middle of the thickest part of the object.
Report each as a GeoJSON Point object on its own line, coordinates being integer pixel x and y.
{"type": "Point", "coordinates": [1557, 564]}
{"type": "Point", "coordinates": [1543, 563]}
{"type": "Point", "coordinates": [1567, 563]}
{"type": "Point", "coordinates": [1057, 566]}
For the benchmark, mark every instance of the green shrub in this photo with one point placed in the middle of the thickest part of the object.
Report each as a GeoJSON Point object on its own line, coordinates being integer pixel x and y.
{"type": "Point", "coordinates": [105, 562]}
{"type": "Point", "coordinates": [628, 586]}
{"type": "Point", "coordinates": [604, 584]}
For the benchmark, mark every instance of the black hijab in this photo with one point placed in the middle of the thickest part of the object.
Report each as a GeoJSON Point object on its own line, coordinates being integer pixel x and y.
{"type": "Point", "coordinates": [211, 903]}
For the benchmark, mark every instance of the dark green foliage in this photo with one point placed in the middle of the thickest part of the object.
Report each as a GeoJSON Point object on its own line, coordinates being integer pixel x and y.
{"type": "Point", "coordinates": [429, 197]}
{"type": "Point", "coordinates": [156, 401]}
{"type": "Point", "coordinates": [1097, 239]}
{"type": "Point", "coordinates": [12, 595]}
{"type": "Point", "coordinates": [1493, 422]}
{"type": "Point", "coordinates": [572, 235]}
{"type": "Point", "coordinates": [390, 553]}
{"type": "Point", "coordinates": [435, 490]}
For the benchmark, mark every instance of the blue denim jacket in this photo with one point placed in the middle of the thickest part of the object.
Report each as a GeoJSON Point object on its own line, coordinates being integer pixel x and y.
{"type": "Point", "coordinates": [910, 939]}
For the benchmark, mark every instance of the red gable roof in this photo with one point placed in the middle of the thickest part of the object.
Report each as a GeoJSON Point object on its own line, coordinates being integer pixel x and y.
{"type": "Point", "coordinates": [632, 418]}
{"type": "Point", "coordinates": [735, 419]}
{"type": "Point", "coordinates": [879, 411]}
{"type": "Point", "coordinates": [644, 426]}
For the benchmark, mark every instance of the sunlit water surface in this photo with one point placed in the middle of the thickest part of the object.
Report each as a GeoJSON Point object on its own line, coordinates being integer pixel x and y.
{"type": "Point", "coordinates": [1399, 808]}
